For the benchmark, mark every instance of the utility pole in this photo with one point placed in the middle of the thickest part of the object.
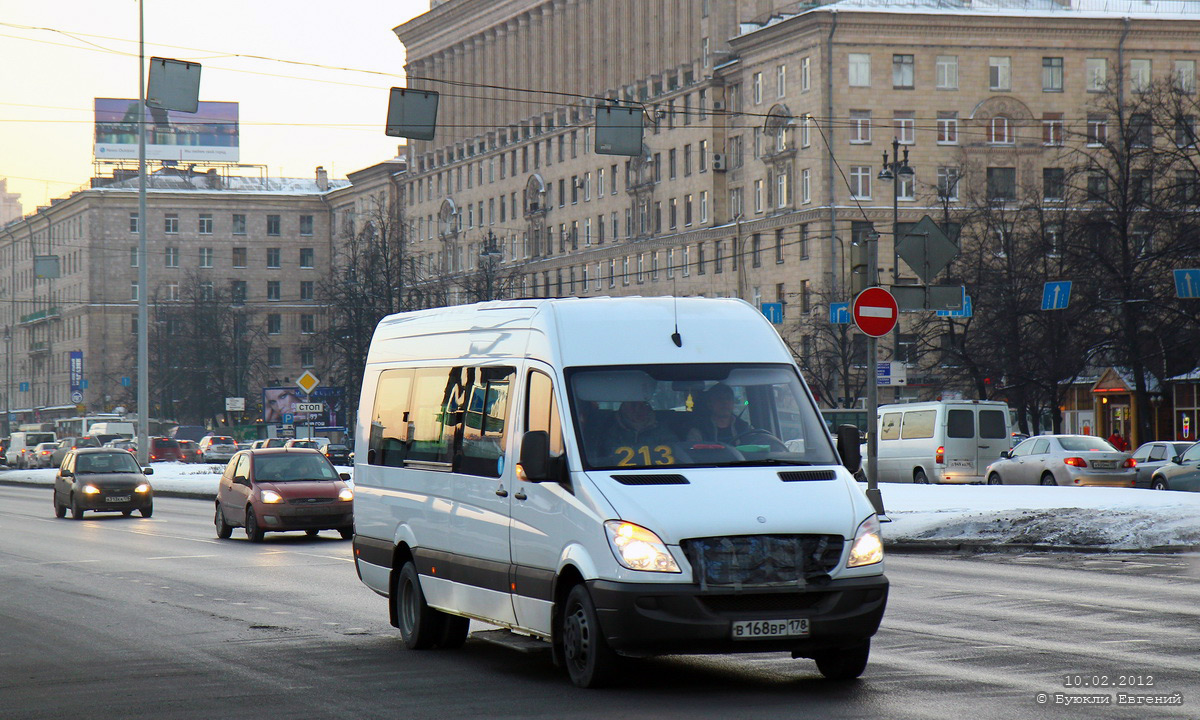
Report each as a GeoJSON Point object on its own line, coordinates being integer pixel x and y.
{"type": "Point", "coordinates": [896, 170]}
{"type": "Point", "coordinates": [143, 327]}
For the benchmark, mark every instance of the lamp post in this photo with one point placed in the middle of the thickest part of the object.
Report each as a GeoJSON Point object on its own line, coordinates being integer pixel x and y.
{"type": "Point", "coordinates": [7, 380]}
{"type": "Point", "coordinates": [897, 170]}
{"type": "Point", "coordinates": [489, 255]}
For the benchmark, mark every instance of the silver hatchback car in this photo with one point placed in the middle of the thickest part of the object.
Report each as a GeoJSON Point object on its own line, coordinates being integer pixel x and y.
{"type": "Point", "coordinates": [1075, 460]}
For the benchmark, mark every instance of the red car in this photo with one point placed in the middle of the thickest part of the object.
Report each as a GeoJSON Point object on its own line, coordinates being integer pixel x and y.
{"type": "Point", "coordinates": [280, 489]}
{"type": "Point", "coordinates": [165, 450]}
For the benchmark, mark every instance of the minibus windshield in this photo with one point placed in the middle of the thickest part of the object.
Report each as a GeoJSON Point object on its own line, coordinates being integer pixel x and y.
{"type": "Point", "coordinates": [696, 415]}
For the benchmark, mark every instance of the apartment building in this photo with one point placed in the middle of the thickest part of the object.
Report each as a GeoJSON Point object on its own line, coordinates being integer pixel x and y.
{"type": "Point", "coordinates": [260, 244]}
{"type": "Point", "coordinates": [766, 127]}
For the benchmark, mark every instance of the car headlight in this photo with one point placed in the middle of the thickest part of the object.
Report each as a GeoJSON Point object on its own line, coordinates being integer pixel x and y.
{"type": "Point", "coordinates": [144, 487]}
{"type": "Point", "coordinates": [637, 548]}
{"type": "Point", "coordinates": [345, 494]}
{"type": "Point", "coordinates": [868, 545]}
{"type": "Point", "coordinates": [270, 497]}
{"type": "Point", "coordinates": [90, 489]}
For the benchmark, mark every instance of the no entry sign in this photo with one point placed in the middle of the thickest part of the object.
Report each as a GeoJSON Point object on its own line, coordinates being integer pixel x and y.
{"type": "Point", "coordinates": [875, 311]}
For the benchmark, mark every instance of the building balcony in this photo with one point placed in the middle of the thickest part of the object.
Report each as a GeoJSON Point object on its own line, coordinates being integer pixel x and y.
{"type": "Point", "coordinates": [38, 317]}
{"type": "Point", "coordinates": [38, 348]}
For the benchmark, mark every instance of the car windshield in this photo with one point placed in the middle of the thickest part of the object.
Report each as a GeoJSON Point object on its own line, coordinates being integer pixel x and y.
{"type": "Point", "coordinates": [118, 462]}
{"type": "Point", "coordinates": [164, 443]}
{"type": "Point", "coordinates": [274, 442]}
{"type": "Point", "coordinates": [291, 468]}
{"type": "Point", "coordinates": [38, 438]}
{"type": "Point", "coordinates": [701, 415]}
{"type": "Point", "coordinates": [1082, 443]}
{"type": "Point", "coordinates": [335, 447]}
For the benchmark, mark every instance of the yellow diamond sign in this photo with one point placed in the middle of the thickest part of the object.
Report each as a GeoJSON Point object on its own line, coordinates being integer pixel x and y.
{"type": "Point", "coordinates": [307, 382]}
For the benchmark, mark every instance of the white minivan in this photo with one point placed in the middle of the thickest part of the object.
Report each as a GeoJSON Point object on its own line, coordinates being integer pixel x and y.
{"type": "Point", "coordinates": [610, 477]}
{"type": "Point", "coordinates": [941, 442]}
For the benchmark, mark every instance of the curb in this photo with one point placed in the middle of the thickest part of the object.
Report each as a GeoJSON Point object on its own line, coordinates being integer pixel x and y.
{"type": "Point", "coordinates": [944, 547]}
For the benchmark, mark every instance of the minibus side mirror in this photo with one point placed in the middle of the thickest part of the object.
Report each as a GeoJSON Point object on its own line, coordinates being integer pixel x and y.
{"type": "Point", "coordinates": [847, 446]}
{"type": "Point", "coordinates": [534, 465]}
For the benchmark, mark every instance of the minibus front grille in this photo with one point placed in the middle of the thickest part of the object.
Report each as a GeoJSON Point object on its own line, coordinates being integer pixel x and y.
{"type": "Point", "coordinates": [806, 475]}
{"type": "Point", "coordinates": [651, 479]}
{"type": "Point", "coordinates": [762, 560]}
{"type": "Point", "coordinates": [761, 602]}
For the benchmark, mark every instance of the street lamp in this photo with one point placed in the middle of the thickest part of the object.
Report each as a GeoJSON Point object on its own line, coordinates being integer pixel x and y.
{"type": "Point", "coordinates": [898, 170]}
{"type": "Point", "coordinates": [490, 254]}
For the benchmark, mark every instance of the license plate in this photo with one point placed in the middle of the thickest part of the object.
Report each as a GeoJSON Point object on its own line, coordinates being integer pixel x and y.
{"type": "Point", "coordinates": [961, 463]}
{"type": "Point", "coordinates": [1104, 464]}
{"type": "Point", "coordinates": [117, 498]}
{"type": "Point", "coordinates": [759, 629]}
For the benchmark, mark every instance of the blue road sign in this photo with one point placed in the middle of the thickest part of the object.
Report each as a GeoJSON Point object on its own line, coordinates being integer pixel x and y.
{"type": "Point", "coordinates": [83, 385]}
{"type": "Point", "coordinates": [23, 387]}
{"type": "Point", "coordinates": [1056, 295]}
{"type": "Point", "coordinates": [289, 419]}
{"type": "Point", "coordinates": [773, 311]}
{"type": "Point", "coordinates": [839, 313]}
{"type": "Point", "coordinates": [966, 311]}
{"type": "Point", "coordinates": [1187, 283]}
{"type": "Point", "coordinates": [126, 382]}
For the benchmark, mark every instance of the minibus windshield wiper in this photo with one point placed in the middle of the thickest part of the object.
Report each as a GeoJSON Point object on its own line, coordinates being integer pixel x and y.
{"type": "Point", "coordinates": [768, 461]}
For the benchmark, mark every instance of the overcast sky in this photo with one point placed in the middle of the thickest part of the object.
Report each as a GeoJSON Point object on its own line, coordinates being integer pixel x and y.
{"type": "Point", "coordinates": [293, 117]}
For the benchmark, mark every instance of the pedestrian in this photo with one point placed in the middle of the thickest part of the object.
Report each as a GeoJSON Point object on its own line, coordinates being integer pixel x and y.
{"type": "Point", "coordinates": [1117, 441]}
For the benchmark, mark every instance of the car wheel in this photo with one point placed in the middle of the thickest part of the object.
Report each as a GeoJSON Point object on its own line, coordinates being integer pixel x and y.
{"type": "Point", "coordinates": [346, 533]}
{"type": "Point", "coordinates": [994, 479]}
{"type": "Point", "coordinates": [420, 625]}
{"type": "Point", "coordinates": [224, 531]}
{"type": "Point", "coordinates": [589, 660]}
{"type": "Point", "coordinates": [311, 533]}
{"type": "Point", "coordinates": [76, 508]}
{"type": "Point", "coordinates": [1048, 479]}
{"type": "Point", "coordinates": [1159, 484]}
{"type": "Point", "coordinates": [253, 532]}
{"type": "Point", "coordinates": [147, 511]}
{"type": "Point", "coordinates": [127, 513]}
{"type": "Point", "coordinates": [60, 510]}
{"type": "Point", "coordinates": [919, 477]}
{"type": "Point", "coordinates": [844, 664]}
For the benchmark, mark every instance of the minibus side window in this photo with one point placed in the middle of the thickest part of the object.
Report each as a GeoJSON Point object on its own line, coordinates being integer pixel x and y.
{"type": "Point", "coordinates": [541, 410]}
{"type": "Point", "coordinates": [438, 396]}
{"type": "Point", "coordinates": [890, 426]}
{"type": "Point", "coordinates": [918, 424]}
{"type": "Point", "coordinates": [992, 425]}
{"type": "Point", "coordinates": [960, 424]}
{"type": "Point", "coordinates": [485, 420]}
{"type": "Point", "coordinates": [390, 419]}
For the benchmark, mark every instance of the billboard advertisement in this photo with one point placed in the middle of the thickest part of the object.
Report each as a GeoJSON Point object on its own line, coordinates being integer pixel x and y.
{"type": "Point", "coordinates": [280, 402]}
{"type": "Point", "coordinates": [209, 134]}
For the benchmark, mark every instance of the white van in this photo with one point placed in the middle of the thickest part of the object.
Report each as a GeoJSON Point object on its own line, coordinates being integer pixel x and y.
{"type": "Point", "coordinates": [124, 429]}
{"type": "Point", "coordinates": [941, 442]}
{"type": "Point", "coordinates": [610, 477]}
{"type": "Point", "coordinates": [20, 447]}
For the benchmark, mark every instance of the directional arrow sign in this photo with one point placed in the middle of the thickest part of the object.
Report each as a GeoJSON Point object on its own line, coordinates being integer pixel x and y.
{"type": "Point", "coordinates": [839, 313]}
{"type": "Point", "coordinates": [875, 312]}
{"type": "Point", "coordinates": [1056, 295]}
{"type": "Point", "coordinates": [926, 249]}
{"type": "Point", "coordinates": [1187, 283]}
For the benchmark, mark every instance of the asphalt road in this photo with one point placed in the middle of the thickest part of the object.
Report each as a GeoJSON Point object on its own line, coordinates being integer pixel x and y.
{"type": "Point", "coordinates": [117, 617]}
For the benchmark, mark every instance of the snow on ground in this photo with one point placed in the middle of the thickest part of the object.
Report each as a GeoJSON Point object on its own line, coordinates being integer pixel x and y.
{"type": "Point", "coordinates": [1111, 518]}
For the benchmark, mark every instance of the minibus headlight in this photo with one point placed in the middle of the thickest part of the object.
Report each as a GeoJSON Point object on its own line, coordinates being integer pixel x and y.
{"type": "Point", "coordinates": [868, 544]}
{"type": "Point", "coordinates": [637, 548]}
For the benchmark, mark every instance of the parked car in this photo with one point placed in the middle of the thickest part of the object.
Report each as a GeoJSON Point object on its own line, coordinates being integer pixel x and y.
{"type": "Point", "coordinates": [1182, 473]}
{"type": "Point", "coordinates": [67, 444]}
{"type": "Point", "coordinates": [1063, 460]}
{"type": "Point", "coordinates": [217, 448]}
{"type": "Point", "coordinates": [104, 479]}
{"type": "Point", "coordinates": [41, 455]}
{"type": "Point", "coordinates": [164, 450]}
{"type": "Point", "coordinates": [190, 450]}
{"type": "Point", "coordinates": [280, 489]}
{"type": "Point", "coordinates": [338, 454]}
{"type": "Point", "coordinates": [1153, 455]}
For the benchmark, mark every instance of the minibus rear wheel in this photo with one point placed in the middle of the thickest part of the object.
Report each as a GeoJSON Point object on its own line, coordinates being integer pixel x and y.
{"type": "Point", "coordinates": [420, 625]}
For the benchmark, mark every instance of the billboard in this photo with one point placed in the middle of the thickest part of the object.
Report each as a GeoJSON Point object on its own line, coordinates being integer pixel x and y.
{"type": "Point", "coordinates": [279, 402]}
{"type": "Point", "coordinates": [209, 134]}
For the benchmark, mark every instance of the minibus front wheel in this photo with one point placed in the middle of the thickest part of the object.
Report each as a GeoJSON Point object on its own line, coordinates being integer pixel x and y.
{"type": "Point", "coordinates": [590, 661]}
{"type": "Point", "coordinates": [844, 663]}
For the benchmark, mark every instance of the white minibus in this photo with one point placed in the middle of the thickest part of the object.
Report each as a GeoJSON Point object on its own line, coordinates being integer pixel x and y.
{"type": "Point", "coordinates": [608, 478]}
{"type": "Point", "coordinates": [941, 442]}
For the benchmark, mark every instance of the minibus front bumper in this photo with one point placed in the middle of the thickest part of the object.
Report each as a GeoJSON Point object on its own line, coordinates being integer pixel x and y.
{"type": "Point", "coordinates": [646, 619]}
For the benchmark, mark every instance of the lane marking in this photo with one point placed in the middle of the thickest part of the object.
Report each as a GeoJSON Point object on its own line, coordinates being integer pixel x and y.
{"type": "Point", "coordinates": [182, 557]}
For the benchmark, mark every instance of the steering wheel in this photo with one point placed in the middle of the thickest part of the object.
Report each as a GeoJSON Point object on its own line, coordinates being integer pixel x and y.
{"type": "Point", "coordinates": [758, 436]}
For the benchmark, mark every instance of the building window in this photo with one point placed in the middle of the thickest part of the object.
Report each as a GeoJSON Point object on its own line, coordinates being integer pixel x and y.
{"type": "Point", "coordinates": [274, 324]}
{"type": "Point", "coordinates": [133, 256]}
{"type": "Point", "coordinates": [702, 156]}
{"type": "Point", "coordinates": [687, 210]}
{"type": "Point", "coordinates": [860, 127]}
{"type": "Point", "coordinates": [1185, 131]}
{"type": "Point", "coordinates": [905, 123]}
{"type": "Point", "coordinates": [1097, 187]}
{"type": "Point", "coordinates": [801, 243]}
{"type": "Point", "coordinates": [672, 214]}
{"type": "Point", "coordinates": [274, 226]}
{"type": "Point", "coordinates": [133, 222]}
{"type": "Point", "coordinates": [1097, 74]}
{"type": "Point", "coordinates": [206, 290]}
{"type": "Point", "coordinates": [781, 189]}
{"type": "Point", "coordinates": [860, 70]}
{"type": "Point", "coordinates": [671, 156]}
{"type": "Point", "coordinates": [905, 187]}
{"type": "Point", "coordinates": [1052, 74]}
{"type": "Point", "coordinates": [274, 357]}
{"type": "Point", "coordinates": [306, 257]}
{"type": "Point", "coordinates": [703, 206]}
{"type": "Point", "coordinates": [239, 224]}
{"type": "Point", "coordinates": [687, 160]}
{"type": "Point", "coordinates": [273, 291]}
{"type": "Point", "coordinates": [1139, 75]}
{"type": "Point", "coordinates": [756, 250]}
{"type": "Point", "coordinates": [947, 127]}
{"type": "Point", "coordinates": [781, 80]}
{"type": "Point", "coordinates": [171, 224]}
{"type": "Point", "coordinates": [1052, 129]}
{"type": "Point", "coordinates": [718, 257]}
{"type": "Point", "coordinates": [779, 246]}
{"type": "Point", "coordinates": [1000, 131]}
{"type": "Point", "coordinates": [806, 131]}
{"type": "Point", "coordinates": [860, 182]}
{"type": "Point", "coordinates": [947, 72]}
{"type": "Point", "coordinates": [1002, 183]}
{"type": "Point", "coordinates": [274, 256]}
{"type": "Point", "coordinates": [239, 257]}
{"type": "Point", "coordinates": [758, 196]}
{"type": "Point", "coordinates": [306, 224]}
{"type": "Point", "coordinates": [1053, 184]}
{"type": "Point", "coordinates": [306, 290]}
{"type": "Point", "coordinates": [1097, 130]}
{"type": "Point", "coordinates": [308, 324]}
{"type": "Point", "coordinates": [237, 292]}
{"type": "Point", "coordinates": [947, 183]}
{"type": "Point", "coordinates": [205, 224]}
{"type": "Point", "coordinates": [1185, 76]}
{"type": "Point", "coordinates": [757, 88]}
{"type": "Point", "coordinates": [805, 74]}
{"type": "Point", "coordinates": [171, 257]}
{"type": "Point", "coordinates": [307, 358]}
{"type": "Point", "coordinates": [1000, 73]}
{"type": "Point", "coordinates": [206, 257]}
{"type": "Point", "coordinates": [902, 72]}
{"type": "Point", "coordinates": [805, 186]}
{"type": "Point", "coordinates": [133, 291]}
